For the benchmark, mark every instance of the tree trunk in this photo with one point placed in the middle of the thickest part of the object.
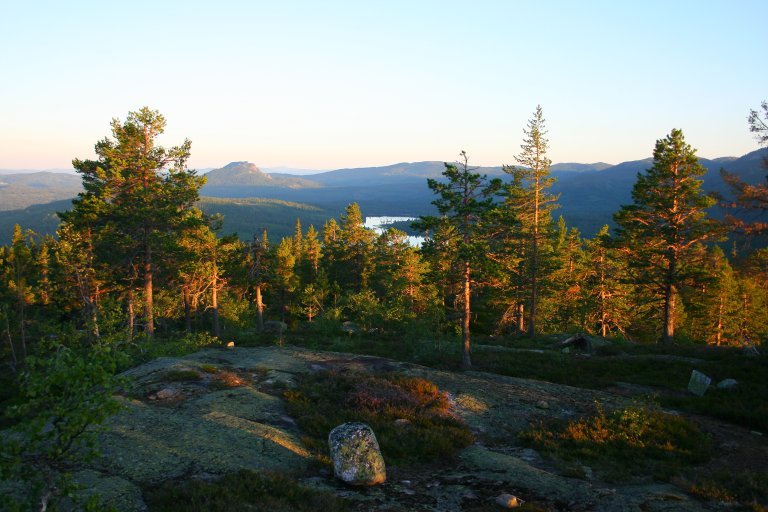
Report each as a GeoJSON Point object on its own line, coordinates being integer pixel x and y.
{"type": "Point", "coordinates": [521, 317]}
{"type": "Point", "coordinates": [719, 327]}
{"type": "Point", "coordinates": [215, 300]}
{"type": "Point", "coordinates": [148, 305]}
{"type": "Point", "coordinates": [187, 310]}
{"type": "Point", "coordinates": [10, 342]}
{"type": "Point", "coordinates": [259, 309]}
{"type": "Point", "coordinates": [668, 336]}
{"type": "Point", "coordinates": [131, 314]}
{"type": "Point", "coordinates": [466, 363]}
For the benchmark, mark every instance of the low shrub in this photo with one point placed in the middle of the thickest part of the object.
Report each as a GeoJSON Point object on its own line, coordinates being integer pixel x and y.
{"type": "Point", "coordinates": [244, 490]}
{"type": "Point", "coordinates": [635, 441]}
{"type": "Point", "coordinates": [747, 488]}
{"type": "Point", "coordinates": [411, 417]}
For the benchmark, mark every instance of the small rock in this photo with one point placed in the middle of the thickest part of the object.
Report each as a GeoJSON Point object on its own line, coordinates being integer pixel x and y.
{"type": "Point", "coordinates": [542, 404]}
{"type": "Point", "coordinates": [231, 344]}
{"type": "Point", "coordinates": [167, 393]}
{"type": "Point", "coordinates": [401, 422]}
{"type": "Point", "coordinates": [755, 433]}
{"type": "Point", "coordinates": [728, 384]}
{"type": "Point", "coordinates": [698, 383]}
{"type": "Point", "coordinates": [508, 501]}
{"type": "Point", "coordinates": [356, 455]}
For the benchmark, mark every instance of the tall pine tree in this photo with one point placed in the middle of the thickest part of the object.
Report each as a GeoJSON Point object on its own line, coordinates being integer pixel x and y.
{"type": "Point", "coordinates": [665, 222]}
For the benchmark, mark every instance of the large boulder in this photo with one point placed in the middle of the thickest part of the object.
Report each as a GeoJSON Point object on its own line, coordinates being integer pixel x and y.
{"type": "Point", "coordinates": [356, 455]}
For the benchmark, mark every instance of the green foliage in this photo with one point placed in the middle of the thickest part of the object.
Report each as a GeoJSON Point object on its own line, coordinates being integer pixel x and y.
{"type": "Point", "coordinates": [62, 396]}
{"type": "Point", "coordinates": [635, 441]}
{"type": "Point", "coordinates": [143, 350]}
{"type": "Point", "coordinates": [660, 231]}
{"type": "Point", "coordinates": [427, 431]}
{"type": "Point", "coordinates": [245, 490]}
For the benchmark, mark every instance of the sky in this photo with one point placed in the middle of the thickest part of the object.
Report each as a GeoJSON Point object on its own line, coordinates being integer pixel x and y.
{"type": "Point", "coordinates": [332, 84]}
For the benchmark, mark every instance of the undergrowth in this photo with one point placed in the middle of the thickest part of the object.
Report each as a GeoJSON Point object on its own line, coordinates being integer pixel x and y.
{"type": "Point", "coordinates": [746, 488]}
{"type": "Point", "coordinates": [631, 442]}
{"type": "Point", "coordinates": [245, 490]}
{"type": "Point", "coordinates": [411, 417]}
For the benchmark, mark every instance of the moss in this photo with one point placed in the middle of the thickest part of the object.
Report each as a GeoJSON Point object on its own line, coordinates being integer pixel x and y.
{"type": "Point", "coordinates": [244, 490]}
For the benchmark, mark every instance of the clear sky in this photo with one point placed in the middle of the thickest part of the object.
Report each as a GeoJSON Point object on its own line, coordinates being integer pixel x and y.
{"type": "Point", "coordinates": [329, 84]}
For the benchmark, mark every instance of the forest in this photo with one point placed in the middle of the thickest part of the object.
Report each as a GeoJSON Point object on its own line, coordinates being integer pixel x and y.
{"type": "Point", "coordinates": [137, 271]}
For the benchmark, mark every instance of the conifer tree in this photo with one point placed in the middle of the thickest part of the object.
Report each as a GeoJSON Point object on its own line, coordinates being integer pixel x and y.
{"type": "Point", "coordinates": [260, 272]}
{"type": "Point", "coordinates": [529, 200]}
{"type": "Point", "coordinates": [465, 202]}
{"type": "Point", "coordinates": [665, 222]}
{"type": "Point", "coordinates": [357, 249]}
{"type": "Point", "coordinates": [138, 197]}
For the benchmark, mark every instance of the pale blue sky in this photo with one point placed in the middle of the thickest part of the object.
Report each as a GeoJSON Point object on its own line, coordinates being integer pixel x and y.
{"type": "Point", "coordinates": [340, 84]}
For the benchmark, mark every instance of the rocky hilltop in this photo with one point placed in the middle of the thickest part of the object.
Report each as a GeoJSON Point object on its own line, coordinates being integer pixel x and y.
{"type": "Point", "coordinates": [220, 410]}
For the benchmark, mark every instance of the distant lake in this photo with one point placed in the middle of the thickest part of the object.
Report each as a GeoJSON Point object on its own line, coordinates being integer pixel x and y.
{"type": "Point", "coordinates": [380, 224]}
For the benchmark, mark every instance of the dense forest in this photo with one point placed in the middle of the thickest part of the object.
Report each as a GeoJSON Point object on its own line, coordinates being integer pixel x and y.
{"type": "Point", "coordinates": [135, 258]}
{"type": "Point", "coordinates": [135, 264]}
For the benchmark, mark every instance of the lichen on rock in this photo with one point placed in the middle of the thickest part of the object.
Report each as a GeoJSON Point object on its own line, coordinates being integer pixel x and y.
{"type": "Point", "coordinates": [356, 455]}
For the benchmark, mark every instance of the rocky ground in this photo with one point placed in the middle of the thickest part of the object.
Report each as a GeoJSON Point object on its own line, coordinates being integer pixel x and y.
{"type": "Point", "coordinates": [231, 416]}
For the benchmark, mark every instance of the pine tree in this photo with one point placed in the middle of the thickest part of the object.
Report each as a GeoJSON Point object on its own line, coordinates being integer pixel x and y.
{"type": "Point", "coordinates": [357, 249]}
{"type": "Point", "coordinates": [531, 205]}
{"type": "Point", "coordinates": [138, 197]}
{"type": "Point", "coordinates": [465, 202]}
{"type": "Point", "coordinates": [667, 219]}
{"type": "Point", "coordinates": [260, 272]}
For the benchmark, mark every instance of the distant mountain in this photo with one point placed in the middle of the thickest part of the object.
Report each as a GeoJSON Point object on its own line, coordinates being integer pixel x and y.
{"type": "Point", "coordinates": [28, 171]}
{"type": "Point", "coordinates": [290, 170]}
{"type": "Point", "coordinates": [574, 167]}
{"type": "Point", "coordinates": [248, 174]}
{"type": "Point", "coordinates": [589, 193]}
{"type": "Point", "coordinates": [22, 190]}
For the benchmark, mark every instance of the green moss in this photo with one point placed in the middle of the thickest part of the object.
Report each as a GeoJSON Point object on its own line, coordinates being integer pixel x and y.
{"type": "Point", "coordinates": [244, 490]}
{"type": "Point", "coordinates": [411, 417]}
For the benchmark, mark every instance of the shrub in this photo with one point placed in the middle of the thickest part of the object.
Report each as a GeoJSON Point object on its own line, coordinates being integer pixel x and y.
{"type": "Point", "coordinates": [243, 490]}
{"type": "Point", "coordinates": [411, 417]}
{"type": "Point", "coordinates": [629, 442]}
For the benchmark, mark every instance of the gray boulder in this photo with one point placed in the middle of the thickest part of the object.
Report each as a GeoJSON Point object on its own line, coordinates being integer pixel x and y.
{"type": "Point", "coordinates": [356, 455]}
